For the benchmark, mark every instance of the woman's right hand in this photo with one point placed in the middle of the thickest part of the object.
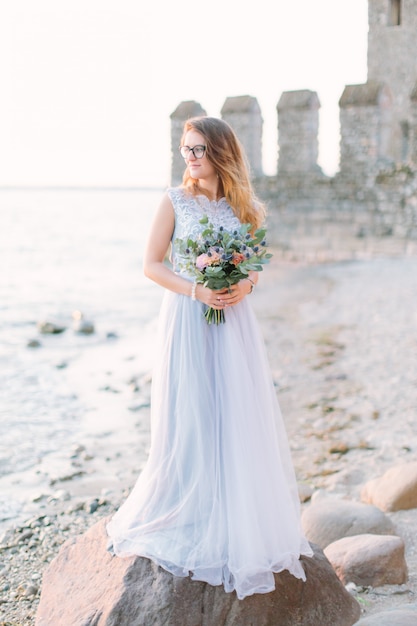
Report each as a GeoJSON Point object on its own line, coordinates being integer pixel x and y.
{"type": "Point", "coordinates": [209, 297]}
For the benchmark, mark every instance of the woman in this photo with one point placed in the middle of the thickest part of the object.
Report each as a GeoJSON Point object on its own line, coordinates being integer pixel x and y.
{"type": "Point", "coordinates": [217, 497]}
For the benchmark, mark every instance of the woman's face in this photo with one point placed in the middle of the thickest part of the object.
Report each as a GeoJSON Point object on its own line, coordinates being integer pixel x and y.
{"type": "Point", "coordinates": [201, 168]}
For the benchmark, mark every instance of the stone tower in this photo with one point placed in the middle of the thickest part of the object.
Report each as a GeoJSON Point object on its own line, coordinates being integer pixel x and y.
{"type": "Point", "coordinates": [243, 113]}
{"type": "Point", "coordinates": [365, 129]}
{"type": "Point", "coordinates": [298, 125]}
{"type": "Point", "coordinates": [392, 59]}
{"type": "Point", "coordinates": [184, 111]}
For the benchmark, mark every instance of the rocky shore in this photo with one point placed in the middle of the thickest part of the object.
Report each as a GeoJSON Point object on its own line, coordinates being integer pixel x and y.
{"type": "Point", "coordinates": [342, 343]}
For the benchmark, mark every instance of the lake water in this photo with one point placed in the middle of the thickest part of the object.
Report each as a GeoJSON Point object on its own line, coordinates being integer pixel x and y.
{"type": "Point", "coordinates": [62, 251]}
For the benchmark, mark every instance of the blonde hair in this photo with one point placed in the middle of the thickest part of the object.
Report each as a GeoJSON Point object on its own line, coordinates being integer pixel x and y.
{"type": "Point", "coordinates": [226, 154]}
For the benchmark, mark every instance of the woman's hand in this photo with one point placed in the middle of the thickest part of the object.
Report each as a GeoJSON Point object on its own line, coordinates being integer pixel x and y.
{"type": "Point", "coordinates": [224, 297]}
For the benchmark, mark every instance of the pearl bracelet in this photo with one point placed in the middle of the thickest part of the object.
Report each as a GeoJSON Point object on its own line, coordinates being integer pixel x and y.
{"type": "Point", "coordinates": [193, 288]}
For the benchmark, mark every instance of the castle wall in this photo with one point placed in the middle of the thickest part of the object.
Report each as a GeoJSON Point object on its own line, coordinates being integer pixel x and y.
{"type": "Point", "coordinates": [392, 59]}
{"type": "Point", "coordinates": [370, 205]}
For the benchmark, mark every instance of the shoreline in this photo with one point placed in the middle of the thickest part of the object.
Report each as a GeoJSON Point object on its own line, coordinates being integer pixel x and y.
{"type": "Point", "coordinates": [340, 342]}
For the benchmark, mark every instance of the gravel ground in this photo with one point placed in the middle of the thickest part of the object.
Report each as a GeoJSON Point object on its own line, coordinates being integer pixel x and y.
{"type": "Point", "coordinates": [26, 550]}
{"type": "Point", "coordinates": [342, 341]}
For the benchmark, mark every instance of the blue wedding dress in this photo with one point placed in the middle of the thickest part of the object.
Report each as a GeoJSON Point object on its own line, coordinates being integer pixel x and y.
{"type": "Point", "coordinates": [217, 498]}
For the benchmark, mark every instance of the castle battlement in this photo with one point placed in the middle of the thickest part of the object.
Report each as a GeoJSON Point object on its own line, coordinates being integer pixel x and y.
{"type": "Point", "coordinates": [374, 193]}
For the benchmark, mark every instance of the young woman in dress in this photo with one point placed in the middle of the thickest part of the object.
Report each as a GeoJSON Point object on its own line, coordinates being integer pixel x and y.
{"type": "Point", "coordinates": [218, 498]}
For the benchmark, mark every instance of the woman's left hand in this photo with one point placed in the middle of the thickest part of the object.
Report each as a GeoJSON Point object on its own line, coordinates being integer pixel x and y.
{"type": "Point", "coordinates": [235, 294]}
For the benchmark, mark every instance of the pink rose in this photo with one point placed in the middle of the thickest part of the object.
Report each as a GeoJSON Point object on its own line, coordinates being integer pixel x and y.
{"type": "Point", "coordinates": [209, 258]}
{"type": "Point", "coordinates": [202, 261]}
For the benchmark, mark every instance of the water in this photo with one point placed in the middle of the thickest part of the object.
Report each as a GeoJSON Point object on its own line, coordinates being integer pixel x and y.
{"type": "Point", "coordinates": [62, 251]}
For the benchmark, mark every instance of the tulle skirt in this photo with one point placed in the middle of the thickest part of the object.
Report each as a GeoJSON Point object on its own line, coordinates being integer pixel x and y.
{"type": "Point", "coordinates": [217, 498]}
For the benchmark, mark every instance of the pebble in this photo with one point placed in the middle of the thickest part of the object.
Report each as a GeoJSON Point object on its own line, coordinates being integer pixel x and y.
{"type": "Point", "coordinates": [38, 497]}
{"type": "Point", "coordinates": [352, 588]}
{"type": "Point", "coordinates": [34, 343]}
{"type": "Point", "coordinates": [27, 534]}
{"type": "Point", "coordinates": [91, 507]}
{"type": "Point", "coordinates": [31, 590]}
{"type": "Point", "coordinates": [84, 327]}
{"type": "Point", "coordinates": [50, 328]}
{"type": "Point", "coordinates": [140, 405]}
{"type": "Point", "coordinates": [109, 388]}
{"type": "Point", "coordinates": [80, 325]}
{"type": "Point", "coordinates": [66, 477]}
{"type": "Point", "coordinates": [77, 449]}
{"type": "Point", "coordinates": [61, 495]}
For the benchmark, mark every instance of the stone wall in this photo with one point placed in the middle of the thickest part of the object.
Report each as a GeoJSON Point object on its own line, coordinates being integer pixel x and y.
{"type": "Point", "coordinates": [392, 54]}
{"type": "Point", "coordinates": [369, 206]}
{"type": "Point", "coordinates": [371, 203]}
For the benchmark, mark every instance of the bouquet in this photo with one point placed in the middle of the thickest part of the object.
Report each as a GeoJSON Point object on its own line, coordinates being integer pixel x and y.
{"type": "Point", "coordinates": [219, 259]}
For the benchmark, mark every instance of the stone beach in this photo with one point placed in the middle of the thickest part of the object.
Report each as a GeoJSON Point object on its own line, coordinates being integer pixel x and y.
{"type": "Point", "coordinates": [342, 341]}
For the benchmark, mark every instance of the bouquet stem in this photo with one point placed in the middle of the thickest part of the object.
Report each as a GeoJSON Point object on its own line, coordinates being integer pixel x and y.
{"type": "Point", "coordinates": [214, 316]}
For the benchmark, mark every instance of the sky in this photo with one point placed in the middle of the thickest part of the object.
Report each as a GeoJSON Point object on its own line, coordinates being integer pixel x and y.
{"type": "Point", "coordinates": [88, 86]}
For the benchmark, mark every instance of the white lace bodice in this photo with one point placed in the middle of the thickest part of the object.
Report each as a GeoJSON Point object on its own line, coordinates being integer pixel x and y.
{"type": "Point", "coordinates": [188, 212]}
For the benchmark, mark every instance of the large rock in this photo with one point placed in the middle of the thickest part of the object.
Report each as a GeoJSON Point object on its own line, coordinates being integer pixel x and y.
{"type": "Point", "coordinates": [395, 490]}
{"type": "Point", "coordinates": [328, 519]}
{"type": "Point", "coordinates": [85, 586]}
{"type": "Point", "coordinates": [369, 560]}
{"type": "Point", "coordinates": [403, 616]}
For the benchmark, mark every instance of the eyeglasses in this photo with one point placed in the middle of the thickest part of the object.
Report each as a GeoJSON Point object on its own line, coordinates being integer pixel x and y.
{"type": "Point", "coordinates": [198, 151]}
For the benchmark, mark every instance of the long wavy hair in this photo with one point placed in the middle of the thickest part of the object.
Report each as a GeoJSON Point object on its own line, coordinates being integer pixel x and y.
{"type": "Point", "coordinates": [226, 154]}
